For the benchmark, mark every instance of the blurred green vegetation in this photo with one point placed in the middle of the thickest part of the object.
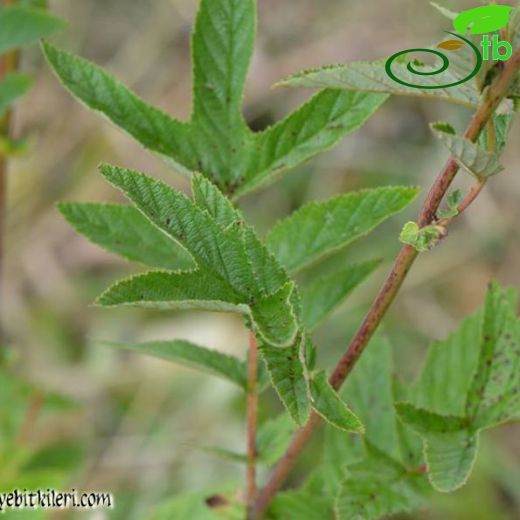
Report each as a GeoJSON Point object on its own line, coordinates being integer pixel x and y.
{"type": "Point", "coordinates": [83, 416]}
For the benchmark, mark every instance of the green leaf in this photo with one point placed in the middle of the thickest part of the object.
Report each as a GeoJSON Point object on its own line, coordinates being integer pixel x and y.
{"type": "Point", "coordinates": [207, 197]}
{"type": "Point", "coordinates": [287, 369]}
{"type": "Point", "coordinates": [302, 505]}
{"type": "Point", "coordinates": [266, 313]}
{"type": "Point", "coordinates": [217, 141]}
{"type": "Point", "coordinates": [125, 231]}
{"type": "Point", "coordinates": [468, 155]}
{"type": "Point", "coordinates": [323, 295]}
{"type": "Point", "coordinates": [193, 356]}
{"type": "Point", "coordinates": [450, 446]}
{"type": "Point", "coordinates": [95, 88]}
{"type": "Point", "coordinates": [320, 228]}
{"type": "Point", "coordinates": [377, 487]}
{"type": "Point", "coordinates": [464, 389]}
{"type": "Point", "coordinates": [331, 407]}
{"type": "Point", "coordinates": [226, 277]}
{"type": "Point", "coordinates": [174, 290]}
{"type": "Point", "coordinates": [222, 46]}
{"type": "Point", "coordinates": [501, 125]}
{"type": "Point", "coordinates": [12, 88]}
{"type": "Point", "coordinates": [372, 77]}
{"type": "Point", "coordinates": [20, 26]}
{"type": "Point", "coordinates": [494, 395]}
{"type": "Point", "coordinates": [273, 438]}
{"type": "Point", "coordinates": [453, 359]}
{"type": "Point", "coordinates": [421, 239]}
{"type": "Point", "coordinates": [374, 403]}
{"type": "Point", "coordinates": [314, 128]}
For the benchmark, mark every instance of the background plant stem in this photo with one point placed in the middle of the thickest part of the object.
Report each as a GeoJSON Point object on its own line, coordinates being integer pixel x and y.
{"type": "Point", "coordinates": [8, 63]}
{"type": "Point", "coordinates": [252, 412]}
{"type": "Point", "coordinates": [394, 281]}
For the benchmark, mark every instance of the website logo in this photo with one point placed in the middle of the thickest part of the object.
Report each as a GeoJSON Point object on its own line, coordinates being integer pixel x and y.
{"type": "Point", "coordinates": [478, 21]}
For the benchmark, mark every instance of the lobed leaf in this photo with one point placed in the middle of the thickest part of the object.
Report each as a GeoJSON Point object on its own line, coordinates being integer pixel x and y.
{"type": "Point", "coordinates": [287, 371]}
{"type": "Point", "coordinates": [217, 141]}
{"type": "Point", "coordinates": [450, 445]}
{"type": "Point", "coordinates": [470, 156]}
{"type": "Point", "coordinates": [193, 356]}
{"type": "Point", "coordinates": [464, 389]}
{"type": "Point", "coordinates": [323, 295]}
{"type": "Point", "coordinates": [320, 228]}
{"type": "Point", "coordinates": [377, 487]}
{"type": "Point", "coordinates": [315, 127]}
{"type": "Point", "coordinates": [125, 231]}
{"type": "Point", "coordinates": [331, 407]}
{"type": "Point", "coordinates": [100, 92]}
{"type": "Point", "coordinates": [20, 26]}
{"type": "Point", "coordinates": [372, 77]}
{"type": "Point", "coordinates": [12, 88]}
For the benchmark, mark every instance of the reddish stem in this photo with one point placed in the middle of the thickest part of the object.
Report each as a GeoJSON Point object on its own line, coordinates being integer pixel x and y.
{"type": "Point", "coordinates": [393, 283]}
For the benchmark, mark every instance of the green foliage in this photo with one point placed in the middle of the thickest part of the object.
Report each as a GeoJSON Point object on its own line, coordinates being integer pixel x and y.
{"type": "Point", "coordinates": [125, 231]}
{"type": "Point", "coordinates": [320, 228]}
{"type": "Point", "coordinates": [422, 239]}
{"type": "Point", "coordinates": [205, 256]}
{"type": "Point", "coordinates": [217, 141]}
{"type": "Point", "coordinates": [470, 156]}
{"type": "Point", "coordinates": [322, 295]}
{"type": "Point", "coordinates": [194, 356]}
{"type": "Point", "coordinates": [331, 407]}
{"type": "Point", "coordinates": [464, 390]}
{"type": "Point", "coordinates": [20, 26]}
{"type": "Point", "coordinates": [12, 88]}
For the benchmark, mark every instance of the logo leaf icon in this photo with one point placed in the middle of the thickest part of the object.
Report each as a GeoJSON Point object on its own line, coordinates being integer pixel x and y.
{"type": "Point", "coordinates": [481, 20]}
{"type": "Point", "coordinates": [451, 45]}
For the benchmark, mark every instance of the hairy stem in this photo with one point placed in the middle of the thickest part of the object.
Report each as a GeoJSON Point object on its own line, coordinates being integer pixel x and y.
{"type": "Point", "coordinates": [252, 411]}
{"type": "Point", "coordinates": [402, 265]}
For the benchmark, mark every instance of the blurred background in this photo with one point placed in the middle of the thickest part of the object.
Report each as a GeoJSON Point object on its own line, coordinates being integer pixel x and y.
{"type": "Point", "coordinates": [138, 427]}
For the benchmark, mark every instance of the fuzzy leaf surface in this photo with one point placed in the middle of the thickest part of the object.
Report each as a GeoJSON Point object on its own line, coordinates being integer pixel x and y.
{"type": "Point", "coordinates": [125, 231]}
{"type": "Point", "coordinates": [470, 156]}
{"type": "Point", "coordinates": [331, 407]}
{"type": "Point", "coordinates": [484, 389]}
{"type": "Point", "coordinates": [216, 141]}
{"type": "Point", "coordinates": [320, 228]}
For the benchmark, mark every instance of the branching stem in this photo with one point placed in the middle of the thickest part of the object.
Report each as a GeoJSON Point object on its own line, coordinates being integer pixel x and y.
{"type": "Point", "coordinates": [403, 263]}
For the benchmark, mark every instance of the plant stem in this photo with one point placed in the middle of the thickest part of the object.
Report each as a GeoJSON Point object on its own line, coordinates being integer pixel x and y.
{"type": "Point", "coordinates": [8, 63]}
{"type": "Point", "coordinates": [252, 411]}
{"type": "Point", "coordinates": [403, 263]}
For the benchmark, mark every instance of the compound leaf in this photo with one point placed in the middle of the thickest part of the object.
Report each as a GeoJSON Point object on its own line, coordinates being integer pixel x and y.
{"type": "Point", "coordinates": [217, 141]}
